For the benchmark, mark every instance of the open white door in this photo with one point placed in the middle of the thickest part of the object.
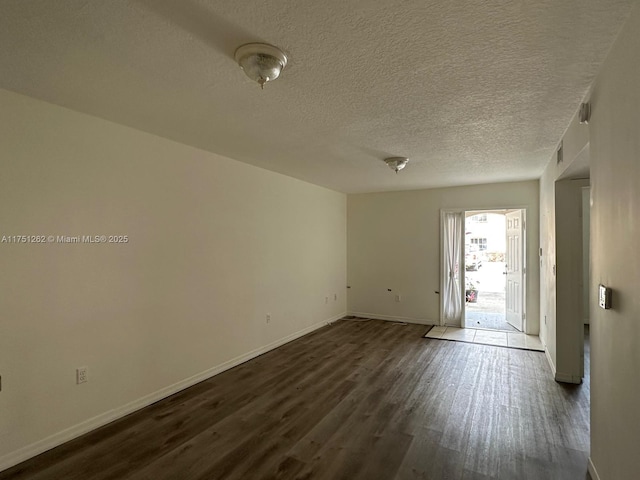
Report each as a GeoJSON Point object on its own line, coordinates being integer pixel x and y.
{"type": "Point", "coordinates": [515, 269]}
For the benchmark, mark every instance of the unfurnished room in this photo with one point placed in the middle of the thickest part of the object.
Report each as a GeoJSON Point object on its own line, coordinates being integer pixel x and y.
{"type": "Point", "coordinates": [377, 240]}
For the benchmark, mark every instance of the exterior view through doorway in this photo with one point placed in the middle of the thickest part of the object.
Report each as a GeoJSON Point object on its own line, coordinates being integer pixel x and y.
{"type": "Point", "coordinates": [494, 269]}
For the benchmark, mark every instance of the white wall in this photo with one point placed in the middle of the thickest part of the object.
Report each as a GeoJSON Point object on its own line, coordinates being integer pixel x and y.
{"type": "Point", "coordinates": [547, 261]}
{"type": "Point", "coordinates": [562, 356]}
{"type": "Point", "coordinates": [586, 242]}
{"type": "Point", "coordinates": [613, 145]}
{"type": "Point", "coordinates": [394, 243]}
{"type": "Point", "coordinates": [214, 245]}
{"type": "Point", "coordinates": [615, 259]}
{"type": "Point", "coordinates": [569, 324]}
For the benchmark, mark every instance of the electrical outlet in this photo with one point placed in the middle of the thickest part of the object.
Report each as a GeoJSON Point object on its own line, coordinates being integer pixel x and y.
{"type": "Point", "coordinates": [398, 298]}
{"type": "Point", "coordinates": [268, 318]}
{"type": "Point", "coordinates": [326, 299]}
{"type": "Point", "coordinates": [81, 375]}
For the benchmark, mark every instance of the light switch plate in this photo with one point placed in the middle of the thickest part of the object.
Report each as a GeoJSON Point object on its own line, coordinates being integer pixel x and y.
{"type": "Point", "coordinates": [604, 297]}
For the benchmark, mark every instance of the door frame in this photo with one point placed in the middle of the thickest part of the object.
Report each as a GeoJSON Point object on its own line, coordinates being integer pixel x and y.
{"type": "Point", "coordinates": [525, 263]}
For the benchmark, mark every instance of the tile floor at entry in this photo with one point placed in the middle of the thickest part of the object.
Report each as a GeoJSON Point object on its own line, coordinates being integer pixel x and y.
{"type": "Point", "coordinates": [487, 337]}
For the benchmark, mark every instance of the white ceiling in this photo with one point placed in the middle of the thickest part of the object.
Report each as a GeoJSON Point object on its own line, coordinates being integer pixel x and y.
{"type": "Point", "coordinates": [471, 91]}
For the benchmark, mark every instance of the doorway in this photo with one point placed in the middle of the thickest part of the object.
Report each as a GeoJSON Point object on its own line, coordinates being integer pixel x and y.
{"type": "Point", "coordinates": [494, 268]}
{"type": "Point", "coordinates": [586, 275]}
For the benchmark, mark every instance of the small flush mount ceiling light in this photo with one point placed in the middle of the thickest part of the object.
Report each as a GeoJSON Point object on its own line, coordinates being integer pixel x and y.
{"type": "Point", "coordinates": [396, 163]}
{"type": "Point", "coordinates": [261, 62]}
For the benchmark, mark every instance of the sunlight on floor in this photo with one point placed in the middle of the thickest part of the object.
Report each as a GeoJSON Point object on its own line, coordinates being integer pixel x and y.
{"type": "Point", "coordinates": [487, 337]}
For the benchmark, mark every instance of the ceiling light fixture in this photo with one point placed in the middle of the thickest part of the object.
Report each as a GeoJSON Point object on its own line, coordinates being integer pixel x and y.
{"type": "Point", "coordinates": [261, 62]}
{"type": "Point", "coordinates": [396, 163]}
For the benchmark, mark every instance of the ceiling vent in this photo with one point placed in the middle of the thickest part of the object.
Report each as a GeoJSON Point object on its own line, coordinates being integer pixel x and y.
{"type": "Point", "coordinates": [584, 114]}
{"type": "Point", "coordinates": [559, 157]}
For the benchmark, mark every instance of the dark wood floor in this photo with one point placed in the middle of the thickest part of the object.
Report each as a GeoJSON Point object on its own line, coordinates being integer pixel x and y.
{"type": "Point", "coordinates": [355, 400]}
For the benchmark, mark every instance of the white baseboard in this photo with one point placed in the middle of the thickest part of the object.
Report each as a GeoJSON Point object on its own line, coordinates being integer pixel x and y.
{"type": "Point", "coordinates": [13, 458]}
{"type": "Point", "coordinates": [418, 321]}
{"type": "Point", "coordinates": [560, 376]}
{"type": "Point", "coordinates": [592, 470]}
{"type": "Point", "coordinates": [567, 378]}
{"type": "Point", "coordinates": [550, 360]}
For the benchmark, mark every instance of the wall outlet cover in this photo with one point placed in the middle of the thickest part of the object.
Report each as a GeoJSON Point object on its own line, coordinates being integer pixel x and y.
{"type": "Point", "coordinates": [81, 375]}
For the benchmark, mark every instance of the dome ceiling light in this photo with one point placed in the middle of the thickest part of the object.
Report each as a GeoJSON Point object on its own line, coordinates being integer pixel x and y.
{"type": "Point", "coordinates": [396, 163]}
{"type": "Point", "coordinates": [261, 62]}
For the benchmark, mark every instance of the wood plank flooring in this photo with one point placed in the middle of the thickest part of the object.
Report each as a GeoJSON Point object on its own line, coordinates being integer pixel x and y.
{"type": "Point", "coordinates": [354, 400]}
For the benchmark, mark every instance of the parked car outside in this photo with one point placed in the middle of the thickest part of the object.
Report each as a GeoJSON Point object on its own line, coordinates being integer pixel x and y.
{"type": "Point", "coordinates": [472, 258]}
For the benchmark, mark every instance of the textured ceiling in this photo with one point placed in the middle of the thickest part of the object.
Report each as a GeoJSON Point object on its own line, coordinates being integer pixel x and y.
{"type": "Point", "coordinates": [471, 91]}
